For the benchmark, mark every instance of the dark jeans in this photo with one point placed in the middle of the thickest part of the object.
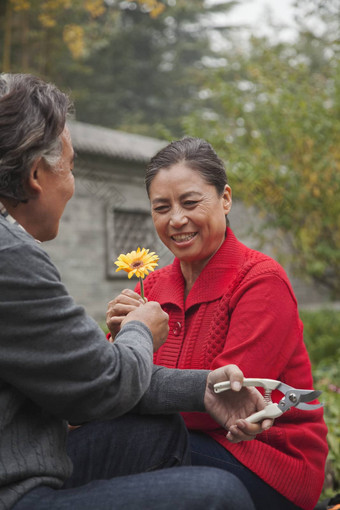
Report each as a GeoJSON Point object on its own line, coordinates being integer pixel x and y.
{"type": "Point", "coordinates": [205, 451]}
{"type": "Point", "coordinates": [139, 463]}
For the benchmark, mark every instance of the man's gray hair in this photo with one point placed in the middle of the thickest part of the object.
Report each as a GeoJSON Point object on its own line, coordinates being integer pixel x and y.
{"type": "Point", "coordinates": [32, 117]}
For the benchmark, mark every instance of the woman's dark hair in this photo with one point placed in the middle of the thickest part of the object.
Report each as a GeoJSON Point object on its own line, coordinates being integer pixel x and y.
{"type": "Point", "coordinates": [197, 155]}
{"type": "Point", "coordinates": [32, 117]}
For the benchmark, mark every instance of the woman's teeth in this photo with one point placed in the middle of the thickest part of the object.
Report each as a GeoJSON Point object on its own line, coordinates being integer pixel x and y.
{"type": "Point", "coordinates": [180, 238]}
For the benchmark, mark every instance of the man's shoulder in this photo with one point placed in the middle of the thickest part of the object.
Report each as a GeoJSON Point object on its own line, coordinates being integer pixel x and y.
{"type": "Point", "coordinates": [18, 249]}
{"type": "Point", "coordinates": [11, 235]}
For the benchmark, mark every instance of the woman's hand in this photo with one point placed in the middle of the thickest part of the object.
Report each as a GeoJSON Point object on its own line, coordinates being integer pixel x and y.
{"type": "Point", "coordinates": [129, 306]}
{"type": "Point", "coordinates": [118, 308]}
{"type": "Point", "coordinates": [230, 408]}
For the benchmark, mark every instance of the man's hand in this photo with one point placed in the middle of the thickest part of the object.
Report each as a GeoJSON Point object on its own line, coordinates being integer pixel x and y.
{"type": "Point", "coordinates": [118, 308]}
{"type": "Point", "coordinates": [152, 315]}
{"type": "Point", "coordinates": [230, 408]}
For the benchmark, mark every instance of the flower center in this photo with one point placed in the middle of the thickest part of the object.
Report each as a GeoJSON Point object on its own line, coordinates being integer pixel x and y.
{"type": "Point", "coordinates": [136, 263]}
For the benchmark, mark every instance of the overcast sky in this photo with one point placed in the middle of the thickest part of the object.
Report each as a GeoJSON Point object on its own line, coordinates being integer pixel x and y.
{"type": "Point", "coordinates": [253, 10]}
{"type": "Point", "coordinates": [256, 13]}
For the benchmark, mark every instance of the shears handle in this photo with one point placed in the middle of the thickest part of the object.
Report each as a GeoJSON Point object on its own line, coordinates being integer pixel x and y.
{"type": "Point", "coordinates": [270, 411]}
{"type": "Point", "coordinates": [269, 384]}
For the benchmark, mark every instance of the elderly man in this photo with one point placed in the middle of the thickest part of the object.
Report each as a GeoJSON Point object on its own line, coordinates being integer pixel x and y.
{"type": "Point", "coordinates": [56, 366]}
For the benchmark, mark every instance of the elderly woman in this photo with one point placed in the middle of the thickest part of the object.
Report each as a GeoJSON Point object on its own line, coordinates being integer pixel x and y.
{"type": "Point", "coordinates": [229, 304]}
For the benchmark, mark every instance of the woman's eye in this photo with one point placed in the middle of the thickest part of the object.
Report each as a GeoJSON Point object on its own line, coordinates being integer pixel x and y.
{"type": "Point", "coordinates": [161, 208]}
{"type": "Point", "coordinates": [190, 203]}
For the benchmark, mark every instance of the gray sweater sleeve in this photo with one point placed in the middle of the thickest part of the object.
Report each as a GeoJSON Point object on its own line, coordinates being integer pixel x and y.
{"type": "Point", "coordinates": [56, 365]}
{"type": "Point", "coordinates": [174, 390]}
{"type": "Point", "coordinates": [54, 353]}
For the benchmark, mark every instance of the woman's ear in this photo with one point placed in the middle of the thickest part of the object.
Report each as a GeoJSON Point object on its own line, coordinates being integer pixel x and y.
{"type": "Point", "coordinates": [227, 200]}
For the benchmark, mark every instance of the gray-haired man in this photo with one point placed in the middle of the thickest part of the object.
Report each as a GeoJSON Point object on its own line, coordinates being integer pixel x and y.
{"type": "Point", "coordinates": [57, 367]}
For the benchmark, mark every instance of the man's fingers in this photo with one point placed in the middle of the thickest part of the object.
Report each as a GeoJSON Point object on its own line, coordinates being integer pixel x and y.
{"type": "Point", "coordinates": [115, 319]}
{"type": "Point", "coordinates": [228, 373]}
{"type": "Point", "coordinates": [252, 429]}
{"type": "Point", "coordinates": [236, 436]}
{"type": "Point", "coordinates": [122, 309]}
{"type": "Point", "coordinates": [241, 432]}
{"type": "Point", "coordinates": [245, 431]}
{"type": "Point", "coordinates": [235, 377]}
{"type": "Point", "coordinates": [266, 424]}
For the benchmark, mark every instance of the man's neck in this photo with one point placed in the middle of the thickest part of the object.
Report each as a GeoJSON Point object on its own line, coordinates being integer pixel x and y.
{"type": "Point", "coordinates": [6, 214]}
{"type": "Point", "coordinates": [6, 211]}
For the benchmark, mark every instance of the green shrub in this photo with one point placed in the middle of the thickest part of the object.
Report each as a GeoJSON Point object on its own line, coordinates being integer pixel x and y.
{"type": "Point", "coordinates": [322, 339]}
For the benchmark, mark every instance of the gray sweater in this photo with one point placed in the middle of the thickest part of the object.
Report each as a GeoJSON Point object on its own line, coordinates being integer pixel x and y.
{"type": "Point", "coordinates": [57, 366]}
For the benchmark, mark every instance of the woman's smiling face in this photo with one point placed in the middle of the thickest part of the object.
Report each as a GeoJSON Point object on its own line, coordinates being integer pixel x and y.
{"type": "Point", "coordinates": [188, 213]}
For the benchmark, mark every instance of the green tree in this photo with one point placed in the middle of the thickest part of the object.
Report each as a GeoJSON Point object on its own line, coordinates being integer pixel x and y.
{"type": "Point", "coordinates": [37, 32]}
{"type": "Point", "coordinates": [132, 65]}
{"type": "Point", "coordinates": [273, 114]}
{"type": "Point", "coordinates": [146, 72]}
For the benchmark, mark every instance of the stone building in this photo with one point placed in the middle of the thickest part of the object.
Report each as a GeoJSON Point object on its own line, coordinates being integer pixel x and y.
{"type": "Point", "coordinates": [109, 215]}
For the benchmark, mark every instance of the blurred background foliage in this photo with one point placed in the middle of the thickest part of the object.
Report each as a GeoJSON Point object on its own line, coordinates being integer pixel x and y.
{"type": "Point", "coordinates": [175, 67]}
{"type": "Point", "coordinates": [269, 106]}
{"type": "Point", "coordinates": [321, 335]}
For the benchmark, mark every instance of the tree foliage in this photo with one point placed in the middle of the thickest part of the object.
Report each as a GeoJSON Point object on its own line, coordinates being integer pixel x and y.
{"type": "Point", "coordinates": [271, 110]}
{"type": "Point", "coordinates": [147, 72]}
{"type": "Point", "coordinates": [130, 65]}
{"type": "Point", "coordinates": [273, 114]}
{"type": "Point", "coordinates": [29, 25]}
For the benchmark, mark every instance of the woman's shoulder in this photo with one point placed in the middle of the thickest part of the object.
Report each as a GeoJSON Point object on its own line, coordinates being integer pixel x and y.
{"type": "Point", "coordinates": [253, 261]}
{"type": "Point", "coordinates": [260, 263]}
{"type": "Point", "coordinates": [158, 276]}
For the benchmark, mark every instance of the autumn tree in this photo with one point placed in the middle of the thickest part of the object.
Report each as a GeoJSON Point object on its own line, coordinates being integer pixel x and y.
{"type": "Point", "coordinates": [272, 113]}
{"type": "Point", "coordinates": [146, 72]}
{"type": "Point", "coordinates": [37, 32]}
{"type": "Point", "coordinates": [135, 66]}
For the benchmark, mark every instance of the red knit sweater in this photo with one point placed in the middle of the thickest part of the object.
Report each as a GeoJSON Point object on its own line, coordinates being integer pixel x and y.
{"type": "Point", "coordinates": [242, 310]}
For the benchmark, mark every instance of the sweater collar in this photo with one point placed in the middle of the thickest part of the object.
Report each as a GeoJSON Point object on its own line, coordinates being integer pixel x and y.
{"type": "Point", "coordinates": [212, 282]}
{"type": "Point", "coordinates": [5, 214]}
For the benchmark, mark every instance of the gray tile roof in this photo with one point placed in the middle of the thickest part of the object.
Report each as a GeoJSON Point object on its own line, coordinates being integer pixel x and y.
{"type": "Point", "coordinates": [113, 143]}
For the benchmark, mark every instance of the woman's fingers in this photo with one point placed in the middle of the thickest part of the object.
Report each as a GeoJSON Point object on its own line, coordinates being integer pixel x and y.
{"type": "Point", "coordinates": [117, 309]}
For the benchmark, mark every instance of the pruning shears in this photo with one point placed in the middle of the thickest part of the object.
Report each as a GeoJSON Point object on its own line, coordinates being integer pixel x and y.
{"type": "Point", "coordinates": [292, 398]}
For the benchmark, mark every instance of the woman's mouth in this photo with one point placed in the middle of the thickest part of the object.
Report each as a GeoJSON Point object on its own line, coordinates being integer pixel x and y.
{"type": "Point", "coordinates": [183, 238]}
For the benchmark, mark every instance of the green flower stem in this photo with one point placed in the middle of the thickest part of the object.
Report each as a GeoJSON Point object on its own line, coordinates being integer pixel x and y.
{"type": "Point", "coordinates": [141, 287]}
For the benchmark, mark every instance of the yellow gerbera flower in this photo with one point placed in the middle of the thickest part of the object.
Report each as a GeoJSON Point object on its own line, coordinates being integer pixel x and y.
{"type": "Point", "coordinates": [137, 263]}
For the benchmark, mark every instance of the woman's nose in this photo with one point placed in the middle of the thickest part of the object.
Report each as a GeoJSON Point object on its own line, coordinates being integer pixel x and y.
{"type": "Point", "coordinates": [178, 218]}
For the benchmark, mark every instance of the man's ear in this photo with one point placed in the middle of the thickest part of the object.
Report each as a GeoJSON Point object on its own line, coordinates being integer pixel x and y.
{"type": "Point", "coordinates": [35, 179]}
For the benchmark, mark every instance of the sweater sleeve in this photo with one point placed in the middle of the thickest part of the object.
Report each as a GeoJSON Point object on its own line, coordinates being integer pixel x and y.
{"type": "Point", "coordinates": [174, 390]}
{"type": "Point", "coordinates": [55, 354]}
{"type": "Point", "coordinates": [265, 332]}
{"type": "Point", "coordinates": [264, 337]}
